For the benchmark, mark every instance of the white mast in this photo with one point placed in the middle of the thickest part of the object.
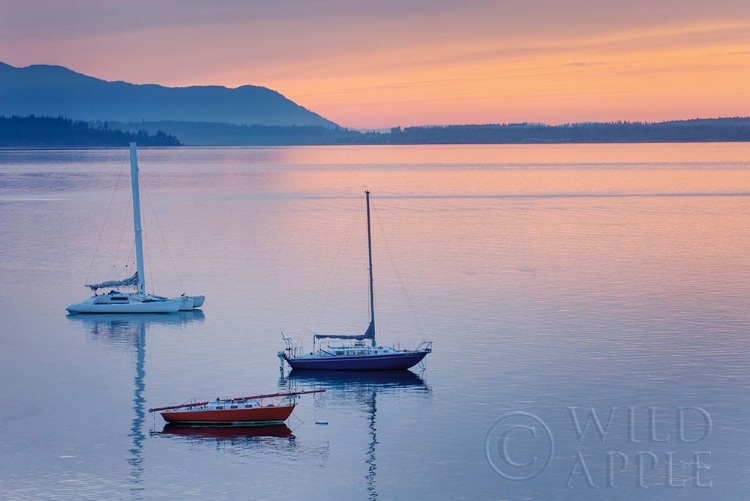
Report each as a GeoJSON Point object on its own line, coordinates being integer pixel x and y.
{"type": "Point", "coordinates": [137, 219]}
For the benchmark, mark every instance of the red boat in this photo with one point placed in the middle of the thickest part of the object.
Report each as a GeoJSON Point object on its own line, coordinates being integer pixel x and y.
{"type": "Point", "coordinates": [256, 410]}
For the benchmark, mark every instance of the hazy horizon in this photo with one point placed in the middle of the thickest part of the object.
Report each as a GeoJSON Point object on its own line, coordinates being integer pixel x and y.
{"type": "Point", "coordinates": [367, 66]}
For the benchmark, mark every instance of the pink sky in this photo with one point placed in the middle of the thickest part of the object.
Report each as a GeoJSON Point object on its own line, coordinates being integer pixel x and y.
{"type": "Point", "coordinates": [387, 63]}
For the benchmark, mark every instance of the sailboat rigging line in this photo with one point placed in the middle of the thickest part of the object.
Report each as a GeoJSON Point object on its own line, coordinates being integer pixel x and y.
{"type": "Point", "coordinates": [124, 270]}
{"type": "Point", "coordinates": [161, 232]}
{"type": "Point", "coordinates": [106, 217]}
{"type": "Point", "coordinates": [123, 229]}
{"type": "Point", "coordinates": [395, 269]}
{"type": "Point", "coordinates": [336, 263]}
{"type": "Point", "coordinates": [145, 237]}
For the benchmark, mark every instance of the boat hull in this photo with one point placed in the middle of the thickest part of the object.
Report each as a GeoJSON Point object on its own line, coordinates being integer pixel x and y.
{"type": "Point", "coordinates": [259, 416]}
{"type": "Point", "coordinates": [382, 362]}
{"type": "Point", "coordinates": [197, 301]}
{"type": "Point", "coordinates": [104, 304]}
{"type": "Point", "coordinates": [187, 303]}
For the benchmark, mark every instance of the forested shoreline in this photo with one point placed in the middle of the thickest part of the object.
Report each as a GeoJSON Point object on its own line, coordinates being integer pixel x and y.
{"type": "Point", "coordinates": [60, 132]}
{"type": "Point", "coordinates": [48, 132]}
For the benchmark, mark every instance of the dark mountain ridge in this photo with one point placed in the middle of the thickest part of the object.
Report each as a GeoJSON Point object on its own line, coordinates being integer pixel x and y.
{"type": "Point", "coordinates": [45, 90]}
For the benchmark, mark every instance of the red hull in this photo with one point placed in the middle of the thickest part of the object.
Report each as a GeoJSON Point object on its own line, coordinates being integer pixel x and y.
{"type": "Point", "coordinates": [259, 416]}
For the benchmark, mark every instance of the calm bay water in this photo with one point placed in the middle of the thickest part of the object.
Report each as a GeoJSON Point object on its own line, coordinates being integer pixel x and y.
{"type": "Point", "coordinates": [588, 306]}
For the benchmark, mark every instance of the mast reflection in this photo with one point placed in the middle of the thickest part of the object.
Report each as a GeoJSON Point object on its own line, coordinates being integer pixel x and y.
{"type": "Point", "coordinates": [365, 388]}
{"type": "Point", "coordinates": [129, 331]}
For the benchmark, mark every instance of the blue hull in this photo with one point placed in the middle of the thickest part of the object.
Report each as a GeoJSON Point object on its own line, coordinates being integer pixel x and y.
{"type": "Point", "coordinates": [390, 362]}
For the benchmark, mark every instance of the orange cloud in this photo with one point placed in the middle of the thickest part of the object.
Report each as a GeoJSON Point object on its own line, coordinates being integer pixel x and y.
{"type": "Point", "coordinates": [651, 75]}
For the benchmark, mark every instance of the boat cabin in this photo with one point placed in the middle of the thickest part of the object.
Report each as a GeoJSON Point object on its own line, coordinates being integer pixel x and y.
{"type": "Point", "coordinates": [220, 405]}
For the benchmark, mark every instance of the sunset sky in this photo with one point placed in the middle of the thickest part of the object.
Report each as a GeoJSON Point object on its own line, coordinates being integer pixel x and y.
{"type": "Point", "coordinates": [377, 64]}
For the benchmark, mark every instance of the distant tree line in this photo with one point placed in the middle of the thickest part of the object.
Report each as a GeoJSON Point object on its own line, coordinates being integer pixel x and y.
{"type": "Point", "coordinates": [49, 132]}
{"type": "Point", "coordinates": [699, 130]}
{"type": "Point", "coordinates": [62, 132]}
{"type": "Point", "coordinates": [224, 134]}
{"type": "Point", "coordinates": [720, 129]}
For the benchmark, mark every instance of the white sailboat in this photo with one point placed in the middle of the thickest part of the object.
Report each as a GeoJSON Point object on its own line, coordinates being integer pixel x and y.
{"type": "Point", "coordinates": [138, 300]}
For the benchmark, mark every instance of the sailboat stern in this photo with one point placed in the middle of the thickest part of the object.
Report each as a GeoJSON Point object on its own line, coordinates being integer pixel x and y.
{"type": "Point", "coordinates": [189, 303]}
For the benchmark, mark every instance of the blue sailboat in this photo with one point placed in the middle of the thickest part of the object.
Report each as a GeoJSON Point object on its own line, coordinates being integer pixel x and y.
{"type": "Point", "coordinates": [359, 355]}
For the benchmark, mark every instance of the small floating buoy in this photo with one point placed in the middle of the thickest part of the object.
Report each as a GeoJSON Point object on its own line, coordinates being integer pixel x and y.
{"type": "Point", "coordinates": [321, 422]}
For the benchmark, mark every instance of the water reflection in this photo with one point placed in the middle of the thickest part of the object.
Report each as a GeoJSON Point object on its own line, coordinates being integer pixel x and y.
{"type": "Point", "coordinates": [350, 381]}
{"type": "Point", "coordinates": [237, 438]}
{"type": "Point", "coordinates": [245, 441]}
{"type": "Point", "coordinates": [364, 388]}
{"type": "Point", "coordinates": [228, 433]}
{"type": "Point", "coordinates": [129, 331]}
{"type": "Point", "coordinates": [123, 330]}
